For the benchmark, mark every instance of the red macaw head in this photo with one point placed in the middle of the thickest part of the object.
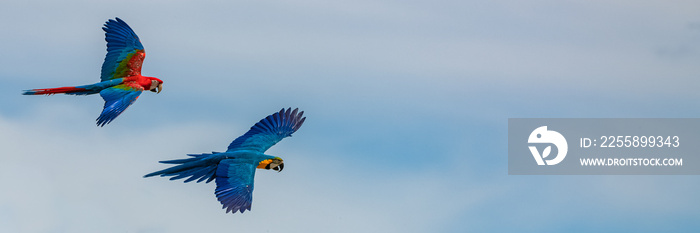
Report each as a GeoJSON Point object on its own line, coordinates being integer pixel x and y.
{"type": "Point", "coordinates": [156, 84]}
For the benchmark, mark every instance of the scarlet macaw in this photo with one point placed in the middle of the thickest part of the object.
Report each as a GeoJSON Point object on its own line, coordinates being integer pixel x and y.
{"type": "Point", "coordinates": [121, 80]}
{"type": "Point", "coordinates": [234, 169]}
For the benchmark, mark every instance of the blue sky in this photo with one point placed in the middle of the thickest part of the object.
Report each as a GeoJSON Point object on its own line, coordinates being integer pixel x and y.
{"type": "Point", "coordinates": [407, 105]}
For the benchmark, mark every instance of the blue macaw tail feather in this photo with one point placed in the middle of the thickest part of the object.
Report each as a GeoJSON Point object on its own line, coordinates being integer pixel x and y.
{"type": "Point", "coordinates": [194, 174]}
{"type": "Point", "coordinates": [196, 157]}
{"type": "Point", "coordinates": [194, 168]}
{"type": "Point", "coordinates": [179, 161]}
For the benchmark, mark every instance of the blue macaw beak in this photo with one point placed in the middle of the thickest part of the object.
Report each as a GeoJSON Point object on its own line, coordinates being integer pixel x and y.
{"type": "Point", "coordinates": [275, 165]}
{"type": "Point", "coordinates": [279, 168]}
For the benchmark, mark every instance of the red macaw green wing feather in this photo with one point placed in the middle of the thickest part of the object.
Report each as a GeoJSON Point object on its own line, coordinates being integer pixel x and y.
{"type": "Point", "coordinates": [125, 53]}
{"type": "Point", "coordinates": [117, 99]}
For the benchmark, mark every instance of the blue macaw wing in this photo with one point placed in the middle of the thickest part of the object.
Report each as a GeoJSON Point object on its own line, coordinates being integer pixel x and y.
{"type": "Point", "coordinates": [117, 99]}
{"type": "Point", "coordinates": [122, 45]}
{"type": "Point", "coordinates": [234, 184]}
{"type": "Point", "coordinates": [268, 131]}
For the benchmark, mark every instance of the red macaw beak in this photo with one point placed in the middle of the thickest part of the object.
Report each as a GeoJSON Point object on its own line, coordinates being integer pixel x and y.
{"type": "Point", "coordinates": [158, 88]}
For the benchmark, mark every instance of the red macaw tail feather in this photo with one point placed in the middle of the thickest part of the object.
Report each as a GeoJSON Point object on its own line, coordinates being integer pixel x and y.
{"type": "Point", "coordinates": [59, 90]}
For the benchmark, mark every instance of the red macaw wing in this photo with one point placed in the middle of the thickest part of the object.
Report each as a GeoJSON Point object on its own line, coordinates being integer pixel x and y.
{"type": "Point", "coordinates": [125, 53]}
{"type": "Point", "coordinates": [117, 99]}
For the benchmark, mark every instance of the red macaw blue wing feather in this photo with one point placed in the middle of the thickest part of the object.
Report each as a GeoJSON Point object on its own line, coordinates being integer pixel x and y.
{"type": "Point", "coordinates": [234, 184]}
{"type": "Point", "coordinates": [269, 131]}
{"type": "Point", "coordinates": [125, 53]}
{"type": "Point", "coordinates": [117, 99]}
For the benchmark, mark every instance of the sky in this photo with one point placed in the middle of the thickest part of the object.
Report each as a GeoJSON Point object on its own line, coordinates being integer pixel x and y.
{"type": "Point", "coordinates": [407, 104]}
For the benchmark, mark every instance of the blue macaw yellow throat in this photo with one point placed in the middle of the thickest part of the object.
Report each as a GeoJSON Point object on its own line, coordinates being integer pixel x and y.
{"type": "Point", "coordinates": [276, 164]}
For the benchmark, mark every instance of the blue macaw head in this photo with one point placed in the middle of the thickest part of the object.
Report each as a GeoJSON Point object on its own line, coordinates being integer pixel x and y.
{"type": "Point", "coordinates": [275, 163]}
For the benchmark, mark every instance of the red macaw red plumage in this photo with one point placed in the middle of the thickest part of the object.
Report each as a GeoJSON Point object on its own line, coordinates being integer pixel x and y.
{"type": "Point", "coordinates": [121, 79]}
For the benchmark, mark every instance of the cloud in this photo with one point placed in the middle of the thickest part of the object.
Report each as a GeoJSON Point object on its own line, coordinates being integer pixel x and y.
{"type": "Point", "coordinates": [82, 178]}
{"type": "Point", "coordinates": [90, 179]}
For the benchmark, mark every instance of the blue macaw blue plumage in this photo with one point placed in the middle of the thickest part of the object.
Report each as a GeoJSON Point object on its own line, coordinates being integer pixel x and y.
{"type": "Point", "coordinates": [234, 170]}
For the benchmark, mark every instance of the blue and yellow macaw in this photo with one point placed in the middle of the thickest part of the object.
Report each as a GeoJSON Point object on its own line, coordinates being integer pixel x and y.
{"type": "Point", "coordinates": [234, 169]}
{"type": "Point", "coordinates": [121, 79]}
